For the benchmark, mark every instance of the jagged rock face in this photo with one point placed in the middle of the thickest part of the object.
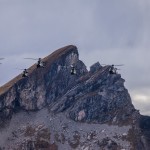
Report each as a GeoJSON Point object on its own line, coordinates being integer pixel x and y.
{"type": "Point", "coordinates": [95, 67]}
{"type": "Point", "coordinates": [100, 97]}
{"type": "Point", "coordinates": [87, 97]}
{"type": "Point", "coordinates": [44, 85]}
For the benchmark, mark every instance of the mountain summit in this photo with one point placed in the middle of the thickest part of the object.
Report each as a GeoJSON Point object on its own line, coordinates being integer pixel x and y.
{"type": "Point", "coordinates": [52, 109]}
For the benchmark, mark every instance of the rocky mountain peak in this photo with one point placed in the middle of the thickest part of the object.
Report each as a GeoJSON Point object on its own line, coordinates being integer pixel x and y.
{"type": "Point", "coordinates": [83, 96]}
{"type": "Point", "coordinates": [43, 85]}
{"type": "Point", "coordinates": [49, 60]}
{"type": "Point", "coordinates": [95, 97]}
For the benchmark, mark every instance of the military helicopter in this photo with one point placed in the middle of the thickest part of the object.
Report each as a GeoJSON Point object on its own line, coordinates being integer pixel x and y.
{"type": "Point", "coordinates": [113, 69]}
{"type": "Point", "coordinates": [24, 73]}
{"type": "Point", "coordinates": [40, 63]}
{"type": "Point", "coordinates": [72, 70]}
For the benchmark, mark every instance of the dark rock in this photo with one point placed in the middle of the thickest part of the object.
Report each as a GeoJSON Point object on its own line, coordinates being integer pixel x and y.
{"type": "Point", "coordinates": [99, 95]}
{"type": "Point", "coordinates": [95, 67]}
{"type": "Point", "coordinates": [94, 96]}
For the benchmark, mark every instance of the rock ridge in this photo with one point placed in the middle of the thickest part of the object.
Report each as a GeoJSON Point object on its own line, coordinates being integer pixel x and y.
{"type": "Point", "coordinates": [93, 97]}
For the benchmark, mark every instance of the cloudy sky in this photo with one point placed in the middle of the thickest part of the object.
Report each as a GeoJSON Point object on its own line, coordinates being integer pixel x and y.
{"type": "Point", "coordinates": [108, 31]}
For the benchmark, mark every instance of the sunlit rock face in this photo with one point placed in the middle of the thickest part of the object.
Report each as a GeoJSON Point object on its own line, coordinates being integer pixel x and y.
{"type": "Point", "coordinates": [87, 110]}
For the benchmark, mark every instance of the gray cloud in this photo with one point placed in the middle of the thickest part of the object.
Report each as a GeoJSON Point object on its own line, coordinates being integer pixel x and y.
{"type": "Point", "coordinates": [103, 30]}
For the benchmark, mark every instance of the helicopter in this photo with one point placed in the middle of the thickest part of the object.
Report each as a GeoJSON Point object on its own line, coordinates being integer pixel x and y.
{"type": "Point", "coordinates": [113, 69]}
{"type": "Point", "coordinates": [72, 70]}
{"type": "Point", "coordinates": [25, 73]}
{"type": "Point", "coordinates": [40, 63]}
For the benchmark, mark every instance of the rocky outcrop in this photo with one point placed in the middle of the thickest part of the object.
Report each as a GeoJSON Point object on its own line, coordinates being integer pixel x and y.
{"type": "Point", "coordinates": [94, 97]}
{"type": "Point", "coordinates": [44, 85]}
{"type": "Point", "coordinates": [101, 97]}
{"type": "Point", "coordinates": [92, 93]}
{"type": "Point", "coordinates": [95, 67]}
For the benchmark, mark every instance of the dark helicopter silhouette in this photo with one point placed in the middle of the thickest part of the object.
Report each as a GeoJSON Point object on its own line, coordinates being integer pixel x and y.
{"type": "Point", "coordinates": [25, 73]}
{"type": "Point", "coordinates": [113, 69]}
{"type": "Point", "coordinates": [73, 70]}
{"type": "Point", "coordinates": [71, 67]}
{"type": "Point", "coordinates": [40, 63]}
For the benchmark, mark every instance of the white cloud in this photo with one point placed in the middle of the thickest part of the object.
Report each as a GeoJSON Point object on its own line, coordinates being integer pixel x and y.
{"type": "Point", "coordinates": [141, 100]}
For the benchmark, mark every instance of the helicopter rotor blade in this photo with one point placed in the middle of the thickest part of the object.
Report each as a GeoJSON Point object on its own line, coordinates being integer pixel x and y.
{"type": "Point", "coordinates": [22, 69]}
{"type": "Point", "coordinates": [19, 68]}
{"type": "Point", "coordinates": [32, 58]}
{"type": "Point", "coordinates": [112, 64]}
{"type": "Point", "coordinates": [119, 65]}
{"type": "Point", "coordinates": [105, 65]}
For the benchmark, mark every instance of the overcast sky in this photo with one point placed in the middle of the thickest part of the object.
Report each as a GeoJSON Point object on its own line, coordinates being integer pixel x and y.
{"type": "Point", "coordinates": [108, 31]}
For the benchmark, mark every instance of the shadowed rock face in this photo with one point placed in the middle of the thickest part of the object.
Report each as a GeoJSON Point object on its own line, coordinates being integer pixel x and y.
{"type": "Point", "coordinates": [90, 97]}
{"type": "Point", "coordinates": [145, 129]}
